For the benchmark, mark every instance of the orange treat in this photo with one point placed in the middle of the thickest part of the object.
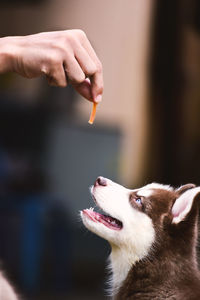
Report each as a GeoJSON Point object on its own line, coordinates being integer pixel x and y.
{"type": "Point", "coordinates": [93, 113]}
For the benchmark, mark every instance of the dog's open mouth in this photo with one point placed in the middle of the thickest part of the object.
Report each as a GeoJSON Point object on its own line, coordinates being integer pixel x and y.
{"type": "Point", "coordinates": [107, 220]}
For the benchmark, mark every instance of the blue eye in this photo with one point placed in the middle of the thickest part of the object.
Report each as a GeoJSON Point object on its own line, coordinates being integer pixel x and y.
{"type": "Point", "coordinates": [138, 201]}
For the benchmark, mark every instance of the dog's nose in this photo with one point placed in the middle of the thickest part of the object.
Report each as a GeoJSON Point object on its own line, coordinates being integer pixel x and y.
{"type": "Point", "coordinates": [100, 181]}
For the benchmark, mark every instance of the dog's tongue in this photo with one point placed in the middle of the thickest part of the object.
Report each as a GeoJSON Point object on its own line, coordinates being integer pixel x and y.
{"type": "Point", "coordinates": [106, 220]}
{"type": "Point", "coordinates": [114, 222]}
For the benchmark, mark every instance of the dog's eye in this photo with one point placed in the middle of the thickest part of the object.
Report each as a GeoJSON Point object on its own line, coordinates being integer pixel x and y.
{"type": "Point", "coordinates": [138, 201]}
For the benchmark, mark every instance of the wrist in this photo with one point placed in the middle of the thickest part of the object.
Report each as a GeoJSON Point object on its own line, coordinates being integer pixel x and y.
{"type": "Point", "coordinates": [7, 54]}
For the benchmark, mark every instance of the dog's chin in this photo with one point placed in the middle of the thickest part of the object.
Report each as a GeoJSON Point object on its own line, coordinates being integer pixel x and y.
{"type": "Point", "coordinates": [97, 224]}
{"type": "Point", "coordinates": [103, 224]}
{"type": "Point", "coordinates": [106, 220]}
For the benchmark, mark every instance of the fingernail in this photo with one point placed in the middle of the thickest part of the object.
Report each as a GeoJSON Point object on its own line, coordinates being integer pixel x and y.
{"type": "Point", "coordinates": [98, 98]}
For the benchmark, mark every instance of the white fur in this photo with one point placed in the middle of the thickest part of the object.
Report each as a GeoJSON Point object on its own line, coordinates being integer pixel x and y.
{"type": "Point", "coordinates": [155, 185]}
{"type": "Point", "coordinates": [134, 240]}
{"type": "Point", "coordinates": [147, 190]}
{"type": "Point", "coordinates": [145, 193]}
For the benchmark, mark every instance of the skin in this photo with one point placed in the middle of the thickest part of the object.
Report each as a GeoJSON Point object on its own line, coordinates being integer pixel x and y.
{"type": "Point", "coordinates": [64, 57]}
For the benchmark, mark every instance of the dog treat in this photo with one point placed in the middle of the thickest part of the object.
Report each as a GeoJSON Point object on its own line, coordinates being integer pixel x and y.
{"type": "Point", "coordinates": [93, 113]}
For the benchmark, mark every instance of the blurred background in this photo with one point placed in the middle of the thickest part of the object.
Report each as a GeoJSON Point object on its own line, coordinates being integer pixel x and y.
{"type": "Point", "coordinates": [146, 129]}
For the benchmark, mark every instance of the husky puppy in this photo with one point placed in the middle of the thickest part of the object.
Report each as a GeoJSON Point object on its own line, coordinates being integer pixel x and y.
{"type": "Point", "coordinates": [153, 235]}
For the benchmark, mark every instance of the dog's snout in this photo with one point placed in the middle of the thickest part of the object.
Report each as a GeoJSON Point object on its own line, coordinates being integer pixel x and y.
{"type": "Point", "coordinates": [100, 181]}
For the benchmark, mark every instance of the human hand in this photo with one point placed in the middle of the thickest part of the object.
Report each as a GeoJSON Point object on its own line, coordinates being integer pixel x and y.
{"type": "Point", "coordinates": [62, 56]}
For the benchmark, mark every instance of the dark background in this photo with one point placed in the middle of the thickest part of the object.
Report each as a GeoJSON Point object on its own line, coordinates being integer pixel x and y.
{"type": "Point", "coordinates": [176, 91]}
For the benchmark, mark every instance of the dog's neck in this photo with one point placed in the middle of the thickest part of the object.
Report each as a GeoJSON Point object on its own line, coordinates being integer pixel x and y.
{"type": "Point", "coordinates": [152, 269]}
{"type": "Point", "coordinates": [128, 268]}
{"type": "Point", "coordinates": [121, 262]}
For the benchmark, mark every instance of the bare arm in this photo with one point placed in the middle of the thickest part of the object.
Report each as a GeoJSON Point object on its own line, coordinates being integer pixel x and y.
{"type": "Point", "coordinates": [62, 56]}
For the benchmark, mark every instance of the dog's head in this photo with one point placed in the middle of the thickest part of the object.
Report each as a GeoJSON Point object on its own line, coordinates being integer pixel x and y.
{"type": "Point", "coordinates": [140, 218]}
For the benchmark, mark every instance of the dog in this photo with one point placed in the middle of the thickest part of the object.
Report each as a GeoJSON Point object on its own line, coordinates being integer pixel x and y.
{"type": "Point", "coordinates": [153, 234]}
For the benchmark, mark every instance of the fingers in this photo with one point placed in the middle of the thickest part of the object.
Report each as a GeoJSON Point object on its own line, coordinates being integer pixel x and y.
{"type": "Point", "coordinates": [84, 89]}
{"type": "Point", "coordinates": [74, 71]}
{"type": "Point", "coordinates": [63, 56]}
{"type": "Point", "coordinates": [91, 70]}
{"type": "Point", "coordinates": [86, 63]}
{"type": "Point", "coordinates": [97, 76]}
{"type": "Point", "coordinates": [59, 71]}
{"type": "Point", "coordinates": [97, 86]}
{"type": "Point", "coordinates": [56, 76]}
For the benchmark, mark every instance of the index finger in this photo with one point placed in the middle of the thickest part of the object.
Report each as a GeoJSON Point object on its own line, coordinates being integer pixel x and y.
{"type": "Point", "coordinates": [97, 86]}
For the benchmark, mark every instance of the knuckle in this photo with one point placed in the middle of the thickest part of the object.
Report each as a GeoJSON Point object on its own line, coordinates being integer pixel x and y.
{"type": "Point", "coordinates": [90, 70]}
{"type": "Point", "coordinates": [63, 84]}
{"type": "Point", "coordinates": [70, 40]}
{"type": "Point", "coordinates": [79, 79]}
{"type": "Point", "coordinates": [100, 89]}
{"type": "Point", "coordinates": [80, 33]}
{"type": "Point", "coordinates": [99, 67]}
{"type": "Point", "coordinates": [68, 36]}
{"type": "Point", "coordinates": [54, 59]}
{"type": "Point", "coordinates": [74, 37]}
{"type": "Point", "coordinates": [94, 68]}
{"type": "Point", "coordinates": [74, 32]}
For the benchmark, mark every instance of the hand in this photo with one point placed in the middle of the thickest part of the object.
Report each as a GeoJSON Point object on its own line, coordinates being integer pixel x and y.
{"type": "Point", "coordinates": [62, 56]}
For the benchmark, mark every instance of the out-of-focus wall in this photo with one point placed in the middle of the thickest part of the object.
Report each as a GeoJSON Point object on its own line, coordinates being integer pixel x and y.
{"type": "Point", "coordinates": [119, 31]}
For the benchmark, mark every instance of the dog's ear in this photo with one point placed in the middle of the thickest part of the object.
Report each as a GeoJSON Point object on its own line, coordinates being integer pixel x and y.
{"type": "Point", "coordinates": [184, 203]}
{"type": "Point", "coordinates": [184, 188]}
